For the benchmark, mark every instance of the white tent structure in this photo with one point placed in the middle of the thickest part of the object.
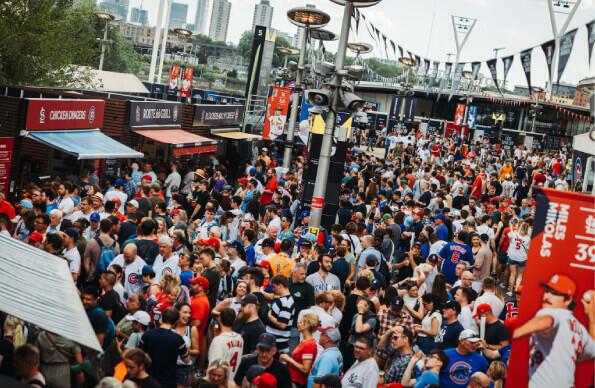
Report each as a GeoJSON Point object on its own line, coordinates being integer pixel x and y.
{"type": "Point", "coordinates": [37, 287]}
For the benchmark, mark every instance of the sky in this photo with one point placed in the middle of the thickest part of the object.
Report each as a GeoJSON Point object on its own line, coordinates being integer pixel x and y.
{"type": "Point", "coordinates": [425, 28]}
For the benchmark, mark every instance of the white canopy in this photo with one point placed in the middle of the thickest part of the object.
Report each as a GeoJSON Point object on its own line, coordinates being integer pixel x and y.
{"type": "Point", "coordinates": [37, 287]}
{"type": "Point", "coordinates": [583, 143]}
{"type": "Point", "coordinates": [108, 81]}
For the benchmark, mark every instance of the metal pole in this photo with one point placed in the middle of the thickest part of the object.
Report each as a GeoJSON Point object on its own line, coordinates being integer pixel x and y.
{"type": "Point", "coordinates": [164, 39]}
{"type": "Point", "coordinates": [103, 43]}
{"type": "Point", "coordinates": [156, 42]}
{"type": "Point", "coordinates": [327, 139]}
{"type": "Point", "coordinates": [295, 99]}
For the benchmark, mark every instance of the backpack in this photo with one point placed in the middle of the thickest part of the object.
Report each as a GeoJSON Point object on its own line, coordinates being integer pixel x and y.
{"type": "Point", "coordinates": [106, 256]}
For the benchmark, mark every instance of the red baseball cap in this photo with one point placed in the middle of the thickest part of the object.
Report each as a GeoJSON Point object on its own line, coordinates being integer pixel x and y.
{"type": "Point", "coordinates": [36, 237]}
{"type": "Point", "coordinates": [265, 380]}
{"type": "Point", "coordinates": [212, 241]}
{"type": "Point", "coordinates": [561, 284]}
{"type": "Point", "coordinates": [201, 281]}
{"type": "Point", "coordinates": [147, 177]}
{"type": "Point", "coordinates": [243, 181]}
{"type": "Point", "coordinates": [264, 264]}
{"type": "Point", "coordinates": [482, 308]}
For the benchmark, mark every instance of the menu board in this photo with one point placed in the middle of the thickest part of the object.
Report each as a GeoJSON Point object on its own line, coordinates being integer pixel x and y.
{"type": "Point", "coordinates": [6, 148]}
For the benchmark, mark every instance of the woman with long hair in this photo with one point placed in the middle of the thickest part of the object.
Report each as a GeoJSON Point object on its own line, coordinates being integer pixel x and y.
{"type": "Point", "coordinates": [301, 359]}
{"type": "Point", "coordinates": [439, 289]}
{"type": "Point", "coordinates": [430, 323]}
{"type": "Point", "coordinates": [161, 227]}
{"type": "Point", "coordinates": [233, 302]}
{"type": "Point", "coordinates": [137, 362]}
{"type": "Point", "coordinates": [190, 335]}
{"type": "Point", "coordinates": [517, 255]}
{"type": "Point", "coordinates": [218, 373]}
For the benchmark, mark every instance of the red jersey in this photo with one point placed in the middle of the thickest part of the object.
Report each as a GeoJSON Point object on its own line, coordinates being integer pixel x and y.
{"type": "Point", "coordinates": [200, 311]}
{"type": "Point", "coordinates": [306, 350]}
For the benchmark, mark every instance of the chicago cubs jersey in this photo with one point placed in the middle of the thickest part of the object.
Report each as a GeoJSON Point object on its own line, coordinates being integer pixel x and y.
{"type": "Point", "coordinates": [170, 266]}
{"type": "Point", "coordinates": [132, 274]}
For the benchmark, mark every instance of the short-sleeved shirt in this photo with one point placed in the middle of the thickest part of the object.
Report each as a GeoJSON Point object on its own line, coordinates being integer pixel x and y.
{"type": "Point", "coordinates": [362, 375]}
{"type": "Point", "coordinates": [110, 301]}
{"type": "Point", "coordinates": [329, 362]}
{"type": "Point", "coordinates": [320, 284]}
{"type": "Point", "coordinates": [250, 332]}
{"type": "Point", "coordinates": [427, 378]}
{"type": "Point", "coordinates": [277, 369]}
{"type": "Point", "coordinates": [164, 347]}
{"type": "Point", "coordinates": [369, 319]}
{"type": "Point", "coordinates": [100, 324]}
{"type": "Point", "coordinates": [227, 347]}
{"type": "Point", "coordinates": [453, 253]}
{"type": "Point", "coordinates": [495, 333]}
{"type": "Point", "coordinates": [305, 351]}
{"type": "Point", "coordinates": [201, 308]}
{"type": "Point", "coordinates": [397, 363]}
{"type": "Point", "coordinates": [133, 283]}
{"type": "Point", "coordinates": [448, 335]}
{"type": "Point", "coordinates": [460, 368]}
{"type": "Point", "coordinates": [283, 311]}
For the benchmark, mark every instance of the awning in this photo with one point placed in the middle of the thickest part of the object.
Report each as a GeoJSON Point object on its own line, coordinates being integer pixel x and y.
{"type": "Point", "coordinates": [38, 288]}
{"type": "Point", "coordinates": [85, 144]}
{"type": "Point", "coordinates": [184, 143]}
{"type": "Point", "coordinates": [236, 135]}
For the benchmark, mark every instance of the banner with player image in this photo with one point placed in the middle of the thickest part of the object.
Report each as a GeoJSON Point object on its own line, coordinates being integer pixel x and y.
{"type": "Point", "coordinates": [553, 341]}
{"type": "Point", "coordinates": [459, 114]}
{"type": "Point", "coordinates": [276, 114]}
{"type": "Point", "coordinates": [174, 78]}
{"type": "Point", "coordinates": [186, 87]}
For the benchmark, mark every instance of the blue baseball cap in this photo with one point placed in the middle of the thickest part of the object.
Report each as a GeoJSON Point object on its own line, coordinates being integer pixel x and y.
{"type": "Point", "coordinates": [119, 182]}
{"type": "Point", "coordinates": [147, 271]}
{"type": "Point", "coordinates": [237, 245]}
{"type": "Point", "coordinates": [95, 217]}
{"type": "Point", "coordinates": [305, 213]}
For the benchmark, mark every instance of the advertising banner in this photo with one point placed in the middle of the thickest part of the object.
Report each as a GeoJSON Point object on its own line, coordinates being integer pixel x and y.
{"type": "Point", "coordinates": [590, 37]}
{"type": "Point", "coordinates": [155, 114]}
{"type": "Point", "coordinates": [472, 117]}
{"type": "Point", "coordinates": [459, 114]}
{"type": "Point", "coordinates": [509, 140]}
{"type": "Point", "coordinates": [6, 148]}
{"type": "Point", "coordinates": [451, 129]}
{"type": "Point", "coordinates": [566, 44]}
{"type": "Point", "coordinates": [174, 78]}
{"type": "Point", "coordinates": [49, 114]}
{"type": "Point", "coordinates": [551, 345]}
{"type": "Point", "coordinates": [186, 88]}
{"type": "Point", "coordinates": [276, 114]}
{"type": "Point", "coordinates": [434, 127]}
{"type": "Point", "coordinates": [526, 61]}
{"type": "Point", "coordinates": [456, 80]}
{"type": "Point", "coordinates": [255, 60]}
{"type": "Point", "coordinates": [410, 109]}
{"type": "Point", "coordinates": [548, 50]}
{"type": "Point", "coordinates": [206, 115]}
{"type": "Point", "coordinates": [395, 107]}
{"type": "Point", "coordinates": [492, 65]}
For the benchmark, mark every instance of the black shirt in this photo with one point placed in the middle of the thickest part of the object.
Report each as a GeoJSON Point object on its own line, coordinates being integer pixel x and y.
{"type": "Point", "coordinates": [214, 277]}
{"type": "Point", "coordinates": [127, 230]}
{"type": "Point", "coordinates": [448, 337]}
{"type": "Point", "coordinates": [348, 313]}
{"type": "Point", "coordinates": [164, 347]}
{"type": "Point", "coordinates": [147, 250]}
{"type": "Point", "coordinates": [344, 216]}
{"type": "Point", "coordinates": [144, 205]}
{"type": "Point", "coordinates": [250, 332]}
{"type": "Point", "coordinates": [303, 297]}
{"type": "Point", "coordinates": [496, 333]}
{"type": "Point", "coordinates": [149, 382]}
{"type": "Point", "coordinates": [201, 198]}
{"type": "Point", "coordinates": [277, 369]}
{"type": "Point", "coordinates": [341, 270]}
{"type": "Point", "coordinates": [7, 351]}
{"type": "Point", "coordinates": [110, 301]}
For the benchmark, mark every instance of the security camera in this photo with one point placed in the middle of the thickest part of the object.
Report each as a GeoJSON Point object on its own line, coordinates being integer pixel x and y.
{"type": "Point", "coordinates": [360, 117]}
{"type": "Point", "coordinates": [319, 97]}
{"type": "Point", "coordinates": [351, 102]}
{"type": "Point", "coordinates": [347, 87]}
{"type": "Point", "coordinates": [292, 65]}
{"type": "Point", "coordinates": [324, 69]}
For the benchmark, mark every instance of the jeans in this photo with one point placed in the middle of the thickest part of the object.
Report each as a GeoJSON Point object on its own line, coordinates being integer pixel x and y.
{"type": "Point", "coordinates": [426, 344]}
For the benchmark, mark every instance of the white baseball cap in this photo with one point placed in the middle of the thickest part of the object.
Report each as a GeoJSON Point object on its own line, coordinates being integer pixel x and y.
{"type": "Point", "coordinates": [141, 317]}
{"type": "Point", "coordinates": [469, 335]}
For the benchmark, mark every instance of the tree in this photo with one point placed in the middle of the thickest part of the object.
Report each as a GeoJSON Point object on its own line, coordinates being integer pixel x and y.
{"type": "Point", "coordinates": [245, 44]}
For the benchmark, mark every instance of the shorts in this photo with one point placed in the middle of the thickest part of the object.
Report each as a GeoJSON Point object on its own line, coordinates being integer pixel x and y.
{"type": "Point", "coordinates": [183, 374]}
{"type": "Point", "coordinates": [520, 264]}
{"type": "Point", "coordinates": [503, 258]}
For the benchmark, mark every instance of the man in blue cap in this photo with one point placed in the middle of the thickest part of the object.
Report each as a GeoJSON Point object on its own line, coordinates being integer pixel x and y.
{"type": "Point", "coordinates": [266, 349]}
{"type": "Point", "coordinates": [117, 192]}
{"type": "Point", "coordinates": [441, 228]}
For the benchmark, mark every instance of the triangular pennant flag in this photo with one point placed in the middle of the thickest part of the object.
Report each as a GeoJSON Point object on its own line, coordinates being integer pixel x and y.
{"type": "Point", "coordinates": [370, 31]}
{"type": "Point", "coordinates": [492, 63]}
{"type": "Point", "coordinates": [566, 44]}
{"type": "Point", "coordinates": [526, 62]}
{"type": "Point", "coordinates": [507, 62]}
{"type": "Point", "coordinates": [590, 37]}
{"type": "Point", "coordinates": [417, 60]}
{"type": "Point", "coordinates": [432, 77]}
{"type": "Point", "coordinates": [394, 47]}
{"type": "Point", "coordinates": [385, 46]}
{"type": "Point", "coordinates": [456, 79]}
{"type": "Point", "coordinates": [426, 66]}
{"type": "Point", "coordinates": [548, 50]}
{"type": "Point", "coordinates": [445, 78]}
{"type": "Point", "coordinates": [400, 52]}
{"type": "Point", "coordinates": [475, 66]}
{"type": "Point", "coordinates": [357, 18]}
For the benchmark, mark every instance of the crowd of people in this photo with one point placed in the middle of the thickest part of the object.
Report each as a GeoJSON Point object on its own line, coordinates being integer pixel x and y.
{"type": "Point", "coordinates": [190, 278]}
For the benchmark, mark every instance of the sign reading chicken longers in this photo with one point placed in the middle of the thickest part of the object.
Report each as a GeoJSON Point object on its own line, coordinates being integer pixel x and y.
{"type": "Point", "coordinates": [553, 343]}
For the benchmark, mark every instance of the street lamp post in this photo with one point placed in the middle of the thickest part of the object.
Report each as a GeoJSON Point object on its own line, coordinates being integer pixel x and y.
{"type": "Point", "coordinates": [183, 34]}
{"type": "Point", "coordinates": [305, 18]}
{"type": "Point", "coordinates": [107, 17]}
{"type": "Point", "coordinates": [331, 117]}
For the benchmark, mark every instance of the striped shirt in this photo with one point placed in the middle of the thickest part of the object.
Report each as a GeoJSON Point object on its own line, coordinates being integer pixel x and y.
{"type": "Point", "coordinates": [283, 311]}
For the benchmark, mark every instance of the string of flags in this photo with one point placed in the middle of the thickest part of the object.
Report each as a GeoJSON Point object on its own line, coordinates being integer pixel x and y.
{"type": "Point", "coordinates": [548, 48]}
{"type": "Point", "coordinates": [561, 110]}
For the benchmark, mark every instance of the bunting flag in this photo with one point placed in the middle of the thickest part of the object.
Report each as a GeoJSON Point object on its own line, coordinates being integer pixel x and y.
{"type": "Point", "coordinates": [417, 60]}
{"type": "Point", "coordinates": [400, 51]}
{"type": "Point", "coordinates": [566, 44]}
{"type": "Point", "coordinates": [368, 28]}
{"type": "Point", "coordinates": [394, 47]}
{"type": "Point", "coordinates": [548, 50]}
{"type": "Point", "coordinates": [445, 78]}
{"type": "Point", "coordinates": [385, 45]}
{"type": "Point", "coordinates": [475, 67]}
{"type": "Point", "coordinates": [526, 62]}
{"type": "Point", "coordinates": [492, 65]}
{"type": "Point", "coordinates": [426, 66]}
{"type": "Point", "coordinates": [507, 62]}
{"type": "Point", "coordinates": [456, 79]}
{"type": "Point", "coordinates": [410, 55]}
{"type": "Point", "coordinates": [377, 33]}
{"type": "Point", "coordinates": [590, 37]}
{"type": "Point", "coordinates": [432, 77]}
{"type": "Point", "coordinates": [357, 18]}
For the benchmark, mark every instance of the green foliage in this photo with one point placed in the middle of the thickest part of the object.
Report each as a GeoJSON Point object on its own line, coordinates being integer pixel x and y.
{"type": "Point", "coordinates": [245, 44]}
{"type": "Point", "coordinates": [42, 41]}
{"type": "Point", "coordinates": [384, 69]}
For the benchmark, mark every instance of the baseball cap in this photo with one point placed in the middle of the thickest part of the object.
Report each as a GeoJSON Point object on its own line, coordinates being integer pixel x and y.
{"type": "Point", "coordinates": [332, 381]}
{"type": "Point", "coordinates": [469, 335]}
{"type": "Point", "coordinates": [482, 308]}
{"type": "Point", "coordinates": [141, 317]}
{"type": "Point", "coordinates": [386, 217]}
{"type": "Point", "coordinates": [147, 270]}
{"type": "Point", "coordinates": [98, 196]}
{"type": "Point", "coordinates": [36, 237]}
{"type": "Point", "coordinates": [440, 217]}
{"type": "Point", "coordinates": [561, 284]}
{"type": "Point", "coordinates": [376, 284]}
{"type": "Point", "coordinates": [243, 181]}
{"type": "Point", "coordinates": [227, 188]}
{"type": "Point", "coordinates": [266, 341]}
{"type": "Point", "coordinates": [371, 260]}
{"type": "Point", "coordinates": [268, 242]}
{"type": "Point", "coordinates": [254, 371]}
{"type": "Point", "coordinates": [305, 213]}
{"type": "Point", "coordinates": [210, 241]}
{"type": "Point", "coordinates": [73, 233]}
{"type": "Point", "coordinates": [434, 258]}
{"type": "Point", "coordinates": [201, 281]}
{"type": "Point", "coordinates": [133, 203]}
{"type": "Point", "coordinates": [200, 172]}
{"type": "Point", "coordinates": [26, 204]}
{"type": "Point", "coordinates": [265, 380]}
{"type": "Point", "coordinates": [95, 217]}
{"type": "Point", "coordinates": [119, 182]}
{"type": "Point", "coordinates": [249, 299]}
{"type": "Point", "coordinates": [237, 245]}
{"type": "Point", "coordinates": [418, 212]}
{"type": "Point", "coordinates": [147, 177]}
{"type": "Point", "coordinates": [332, 333]}
{"type": "Point", "coordinates": [310, 236]}
{"type": "Point", "coordinates": [252, 171]}
{"type": "Point", "coordinates": [264, 264]}
{"type": "Point", "coordinates": [452, 304]}
{"type": "Point", "coordinates": [397, 302]}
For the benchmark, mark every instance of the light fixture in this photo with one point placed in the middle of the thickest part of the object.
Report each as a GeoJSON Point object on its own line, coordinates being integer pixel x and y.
{"type": "Point", "coordinates": [406, 61]}
{"type": "Point", "coordinates": [321, 34]}
{"type": "Point", "coordinates": [360, 118]}
{"type": "Point", "coordinates": [105, 15]}
{"type": "Point", "coordinates": [324, 69]}
{"type": "Point", "coordinates": [292, 65]}
{"type": "Point", "coordinates": [359, 48]}
{"type": "Point", "coordinates": [284, 50]}
{"type": "Point", "coordinates": [315, 110]}
{"type": "Point", "coordinates": [355, 72]}
{"type": "Point", "coordinates": [183, 32]}
{"type": "Point", "coordinates": [308, 17]}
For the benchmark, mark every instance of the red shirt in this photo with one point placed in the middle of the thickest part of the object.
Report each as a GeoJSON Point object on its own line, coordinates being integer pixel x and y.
{"type": "Point", "coordinates": [8, 209]}
{"type": "Point", "coordinates": [271, 186]}
{"type": "Point", "coordinates": [538, 178]}
{"type": "Point", "coordinates": [557, 168]}
{"type": "Point", "coordinates": [436, 150]}
{"type": "Point", "coordinates": [200, 310]}
{"type": "Point", "coordinates": [306, 350]}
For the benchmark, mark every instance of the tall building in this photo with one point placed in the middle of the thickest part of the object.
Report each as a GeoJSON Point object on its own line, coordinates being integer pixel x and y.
{"type": "Point", "coordinates": [139, 15]}
{"type": "Point", "coordinates": [118, 8]}
{"type": "Point", "coordinates": [219, 20]}
{"type": "Point", "coordinates": [178, 15]}
{"type": "Point", "coordinates": [263, 14]}
{"type": "Point", "coordinates": [200, 19]}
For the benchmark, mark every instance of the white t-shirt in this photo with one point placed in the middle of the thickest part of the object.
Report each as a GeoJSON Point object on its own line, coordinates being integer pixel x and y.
{"type": "Point", "coordinates": [519, 246]}
{"type": "Point", "coordinates": [491, 299]}
{"type": "Point", "coordinates": [485, 229]}
{"type": "Point", "coordinates": [362, 375]}
{"type": "Point", "coordinates": [552, 353]}
{"type": "Point", "coordinates": [112, 194]}
{"type": "Point", "coordinates": [74, 260]}
{"type": "Point", "coordinates": [466, 319]}
{"type": "Point", "coordinates": [426, 322]}
{"type": "Point", "coordinates": [170, 266]}
{"type": "Point", "coordinates": [228, 347]}
{"type": "Point", "coordinates": [66, 206]}
{"type": "Point", "coordinates": [133, 283]}
{"type": "Point", "coordinates": [173, 179]}
{"type": "Point", "coordinates": [78, 215]}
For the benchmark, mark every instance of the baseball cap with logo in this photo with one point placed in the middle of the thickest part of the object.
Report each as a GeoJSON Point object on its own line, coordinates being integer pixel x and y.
{"type": "Point", "coordinates": [469, 335]}
{"type": "Point", "coordinates": [482, 308]}
{"type": "Point", "coordinates": [397, 303]}
{"type": "Point", "coordinates": [147, 270]}
{"type": "Point", "coordinates": [268, 242]}
{"type": "Point", "coordinates": [141, 317]}
{"type": "Point", "coordinates": [249, 299]}
{"type": "Point", "coordinates": [452, 304]}
{"type": "Point", "coordinates": [561, 284]}
{"type": "Point", "coordinates": [266, 341]}
{"type": "Point", "coordinates": [133, 203]}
